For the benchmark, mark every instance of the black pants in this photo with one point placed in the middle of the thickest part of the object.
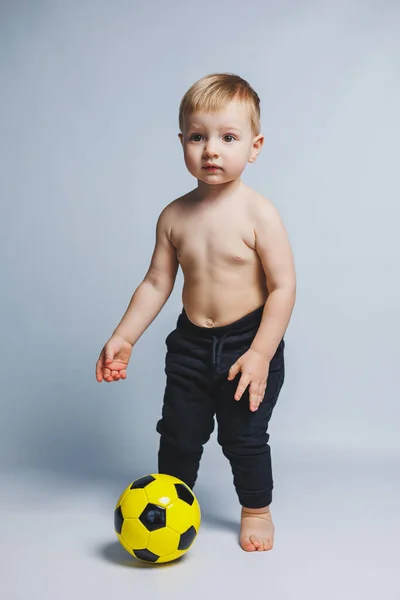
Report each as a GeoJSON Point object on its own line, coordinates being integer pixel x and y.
{"type": "Point", "coordinates": [197, 363]}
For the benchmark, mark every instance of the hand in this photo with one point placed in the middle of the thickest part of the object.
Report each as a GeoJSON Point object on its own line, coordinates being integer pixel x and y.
{"type": "Point", "coordinates": [113, 359]}
{"type": "Point", "coordinates": [255, 369]}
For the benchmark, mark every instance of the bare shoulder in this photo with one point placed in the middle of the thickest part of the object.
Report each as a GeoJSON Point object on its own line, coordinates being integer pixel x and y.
{"type": "Point", "coordinates": [262, 210]}
{"type": "Point", "coordinates": [171, 213]}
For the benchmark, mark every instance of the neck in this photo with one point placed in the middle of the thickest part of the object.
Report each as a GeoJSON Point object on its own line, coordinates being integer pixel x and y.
{"type": "Point", "coordinates": [217, 192]}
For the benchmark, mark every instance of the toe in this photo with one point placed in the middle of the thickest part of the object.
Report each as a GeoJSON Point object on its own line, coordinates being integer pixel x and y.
{"type": "Point", "coordinates": [247, 544]}
{"type": "Point", "coordinates": [267, 544]}
{"type": "Point", "coordinates": [256, 541]}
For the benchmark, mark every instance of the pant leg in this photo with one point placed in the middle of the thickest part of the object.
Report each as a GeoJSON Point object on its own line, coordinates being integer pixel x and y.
{"type": "Point", "coordinates": [243, 434]}
{"type": "Point", "coordinates": [188, 408]}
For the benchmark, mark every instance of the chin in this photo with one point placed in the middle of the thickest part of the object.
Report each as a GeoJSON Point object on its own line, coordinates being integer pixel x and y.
{"type": "Point", "coordinates": [212, 180]}
{"type": "Point", "coordinates": [201, 176]}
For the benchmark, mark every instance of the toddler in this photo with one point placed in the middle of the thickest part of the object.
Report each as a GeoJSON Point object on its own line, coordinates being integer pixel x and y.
{"type": "Point", "coordinates": [225, 357]}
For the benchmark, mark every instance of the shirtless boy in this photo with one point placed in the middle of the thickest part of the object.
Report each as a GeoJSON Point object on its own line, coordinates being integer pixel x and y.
{"type": "Point", "coordinates": [225, 358]}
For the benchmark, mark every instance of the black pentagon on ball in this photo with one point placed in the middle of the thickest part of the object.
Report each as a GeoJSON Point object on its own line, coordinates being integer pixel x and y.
{"type": "Point", "coordinates": [187, 538]}
{"type": "Point", "coordinates": [141, 482]}
{"type": "Point", "coordinates": [184, 493]}
{"type": "Point", "coordinates": [146, 555]}
{"type": "Point", "coordinates": [153, 517]}
{"type": "Point", "coordinates": [118, 520]}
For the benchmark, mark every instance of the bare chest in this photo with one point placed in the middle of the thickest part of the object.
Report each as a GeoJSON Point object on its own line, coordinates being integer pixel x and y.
{"type": "Point", "coordinates": [214, 240]}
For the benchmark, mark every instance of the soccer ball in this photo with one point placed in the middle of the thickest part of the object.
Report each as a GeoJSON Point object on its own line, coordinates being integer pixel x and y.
{"type": "Point", "coordinates": [157, 518]}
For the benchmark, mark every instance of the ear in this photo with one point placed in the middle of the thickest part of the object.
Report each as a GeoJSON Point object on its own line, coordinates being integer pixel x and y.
{"type": "Point", "coordinates": [180, 136]}
{"type": "Point", "coordinates": [257, 144]}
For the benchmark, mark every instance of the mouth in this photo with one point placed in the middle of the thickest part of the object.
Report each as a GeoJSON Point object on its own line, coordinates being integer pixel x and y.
{"type": "Point", "coordinates": [211, 168]}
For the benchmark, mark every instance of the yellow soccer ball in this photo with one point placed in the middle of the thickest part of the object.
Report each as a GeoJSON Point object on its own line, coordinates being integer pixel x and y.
{"type": "Point", "coordinates": [157, 518]}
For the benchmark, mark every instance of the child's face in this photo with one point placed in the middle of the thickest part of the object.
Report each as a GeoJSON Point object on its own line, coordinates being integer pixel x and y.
{"type": "Point", "coordinates": [224, 138]}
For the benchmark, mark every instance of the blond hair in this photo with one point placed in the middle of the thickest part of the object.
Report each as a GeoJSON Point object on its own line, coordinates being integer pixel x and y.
{"type": "Point", "coordinates": [214, 91]}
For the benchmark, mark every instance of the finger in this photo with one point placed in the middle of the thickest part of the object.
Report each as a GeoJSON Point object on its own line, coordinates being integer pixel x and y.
{"type": "Point", "coordinates": [261, 390]}
{"type": "Point", "coordinates": [254, 396]}
{"type": "Point", "coordinates": [99, 375]}
{"type": "Point", "coordinates": [107, 374]}
{"type": "Point", "coordinates": [100, 365]}
{"type": "Point", "coordinates": [243, 383]}
{"type": "Point", "coordinates": [123, 373]}
{"type": "Point", "coordinates": [108, 356]}
{"type": "Point", "coordinates": [234, 370]}
{"type": "Point", "coordinates": [255, 404]}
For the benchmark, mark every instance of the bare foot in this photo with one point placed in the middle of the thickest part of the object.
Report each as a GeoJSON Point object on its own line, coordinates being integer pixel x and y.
{"type": "Point", "coordinates": [256, 529]}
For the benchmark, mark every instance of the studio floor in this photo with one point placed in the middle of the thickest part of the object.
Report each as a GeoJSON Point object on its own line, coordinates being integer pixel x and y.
{"type": "Point", "coordinates": [337, 538]}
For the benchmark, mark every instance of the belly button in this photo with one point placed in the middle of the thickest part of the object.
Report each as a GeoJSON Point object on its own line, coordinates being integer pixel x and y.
{"type": "Point", "coordinates": [209, 323]}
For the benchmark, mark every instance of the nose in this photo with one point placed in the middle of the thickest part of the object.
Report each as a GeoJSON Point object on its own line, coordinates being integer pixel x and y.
{"type": "Point", "coordinates": [210, 149]}
{"type": "Point", "coordinates": [210, 153]}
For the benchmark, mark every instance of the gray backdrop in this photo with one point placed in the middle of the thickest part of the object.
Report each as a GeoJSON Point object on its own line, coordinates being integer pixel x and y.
{"type": "Point", "coordinates": [90, 93]}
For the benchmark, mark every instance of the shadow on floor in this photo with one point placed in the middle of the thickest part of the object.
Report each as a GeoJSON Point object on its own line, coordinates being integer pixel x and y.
{"type": "Point", "coordinates": [114, 553]}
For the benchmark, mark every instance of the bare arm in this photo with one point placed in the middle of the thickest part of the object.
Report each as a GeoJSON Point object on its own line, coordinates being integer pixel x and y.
{"type": "Point", "coordinates": [274, 250]}
{"type": "Point", "coordinates": [156, 287]}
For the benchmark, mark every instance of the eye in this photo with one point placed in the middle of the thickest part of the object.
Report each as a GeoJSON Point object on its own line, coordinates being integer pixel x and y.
{"type": "Point", "coordinates": [195, 135]}
{"type": "Point", "coordinates": [229, 135]}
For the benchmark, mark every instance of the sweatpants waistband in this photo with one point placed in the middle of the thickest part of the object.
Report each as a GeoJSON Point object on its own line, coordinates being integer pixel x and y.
{"type": "Point", "coordinates": [242, 325]}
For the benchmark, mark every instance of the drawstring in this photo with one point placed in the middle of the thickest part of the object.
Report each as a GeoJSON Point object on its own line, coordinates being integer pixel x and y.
{"type": "Point", "coordinates": [216, 350]}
